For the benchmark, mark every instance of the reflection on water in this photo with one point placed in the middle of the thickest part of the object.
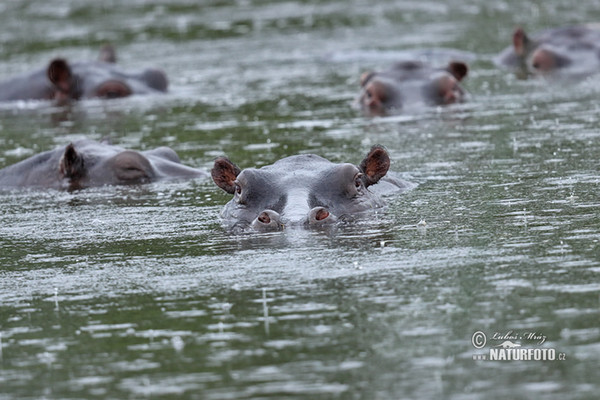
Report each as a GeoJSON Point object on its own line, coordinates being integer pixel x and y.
{"type": "Point", "coordinates": [139, 292]}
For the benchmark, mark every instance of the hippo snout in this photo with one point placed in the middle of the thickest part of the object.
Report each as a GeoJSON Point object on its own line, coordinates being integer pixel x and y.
{"type": "Point", "coordinates": [271, 221]}
{"type": "Point", "coordinates": [267, 221]}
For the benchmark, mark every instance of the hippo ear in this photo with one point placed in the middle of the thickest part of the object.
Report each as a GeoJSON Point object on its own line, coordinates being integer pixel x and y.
{"type": "Point", "coordinates": [224, 173]}
{"type": "Point", "coordinates": [375, 165]}
{"type": "Point", "coordinates": [107, 54]}
{"type": "Point", "coordinates": [364, 78]}
{"type": "Point", "coordinates": [71, 163]}
{"type": "Point", "coordinates": [520, 42]}
{"type": "Point", "coordinates": [60, 75]}
{"type": "Point", "coordinates": [458, 69]}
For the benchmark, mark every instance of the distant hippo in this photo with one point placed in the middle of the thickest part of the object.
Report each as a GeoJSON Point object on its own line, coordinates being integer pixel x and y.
{"type": "Point", "coordinates": [87, 163]}
{"type": "Point", "coordinates": [81, 80]}
{"type": "Point", "coordinates": [408, 83]}
{"type": "Point", "coordinates": [299, 190]}
{"type": "Point", "coordinates": [573, 50]}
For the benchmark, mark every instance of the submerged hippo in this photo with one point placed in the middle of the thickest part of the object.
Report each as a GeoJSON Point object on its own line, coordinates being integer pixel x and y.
{"type": "Point", "coordinates": [87, 163]}
{"type": "Point", "coordinates": [573, 50]}
{"type": "Point", "coordinates": [62, 80]}
{"type": "Point", "coordinates": [298, 190]}
{"type": "Point", "coordinates": [409, 83]}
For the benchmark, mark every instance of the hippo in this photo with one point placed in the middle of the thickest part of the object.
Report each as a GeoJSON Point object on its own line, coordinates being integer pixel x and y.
{"type": "Point", "coordinates": [572, 51]}
{"type": "Point", "coordinates": [301, 190]}
{"type": "Point", "coordinates": [87, 163]}
{"type": "Point", "coordinates": [411, 82]}
{"type": "Point", "coordinates": [64, 81]}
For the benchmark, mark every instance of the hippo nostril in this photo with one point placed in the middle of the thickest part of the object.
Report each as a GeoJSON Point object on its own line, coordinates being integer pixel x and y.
{"type": "Point", "coordinates": [268, 220]}
{"type": "Point", "coordinates": [321, 214]}
{"type": "Point", "coordinates": [264, 218]}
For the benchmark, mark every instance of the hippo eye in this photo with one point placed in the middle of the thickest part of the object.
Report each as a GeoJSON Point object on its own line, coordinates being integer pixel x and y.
{"type": "Point", "coordinates": [358, 180]}
{"type": "Point", "coordinates": [369, 94]}
{"type": "Point", "coordinates": [238, 192]}
{"type": "Point", "coordinates": [131, 167]}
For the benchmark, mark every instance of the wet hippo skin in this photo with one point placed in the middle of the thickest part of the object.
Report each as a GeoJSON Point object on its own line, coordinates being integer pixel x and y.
{"type": "Point", "coordinates": [411, 83]}
{"type": "Point", "coordinates": [87, 163]}
{"type": "Point", "coordinates": [62, 80]}
{"type": "Point", "coordinates": [572, 50]}
{"type": "Point", "coordinates": [302, 190]}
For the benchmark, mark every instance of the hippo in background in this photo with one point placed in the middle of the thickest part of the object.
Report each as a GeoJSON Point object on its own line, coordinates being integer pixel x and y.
{"type": "Point", "coordinates": [88, 163]}
{"type": "Point", "coordinates": [64, 81]}
{"type": "Point", "coordinates": [301, 190]}
{"type": "Point", "coordinates": [571, 51]}
{"type": "Point", "coordinates": [411, 83]}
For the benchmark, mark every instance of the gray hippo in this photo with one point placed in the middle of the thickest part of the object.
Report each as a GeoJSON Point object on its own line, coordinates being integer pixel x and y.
{"type": "Point", "coordinates": [299, 190]}
{"type": "Point", "coordinates": [408, 83]}
{"type": "Point", "coordinates": [62, 81]}
{"type": "Point", "coordinates": [88, 163]}
{"type": "Point", "coordinates": [573, 50]}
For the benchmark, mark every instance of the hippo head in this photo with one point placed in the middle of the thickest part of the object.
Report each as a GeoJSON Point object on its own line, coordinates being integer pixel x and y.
{"type": "Point", "coordinates": [102, 79]}
{"type": "Point", "coordinates": [540, 57]}
{"type": "Point", "coordinates": [104, 166]}
{"type": "Point", "coordinates": [411, 83]}
{"type": "Point", "coordinates": [88, 163]}
{"type": "Point", "coordinates": [298, 190]}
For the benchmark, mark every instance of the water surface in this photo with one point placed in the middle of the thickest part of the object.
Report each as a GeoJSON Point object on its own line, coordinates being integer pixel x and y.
{"type": "Point", "coordinates": [138, 292]}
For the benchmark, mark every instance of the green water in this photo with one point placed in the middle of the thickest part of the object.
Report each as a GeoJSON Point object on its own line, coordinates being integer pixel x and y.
{"type": "Point", "coordinates": [138, 292]}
